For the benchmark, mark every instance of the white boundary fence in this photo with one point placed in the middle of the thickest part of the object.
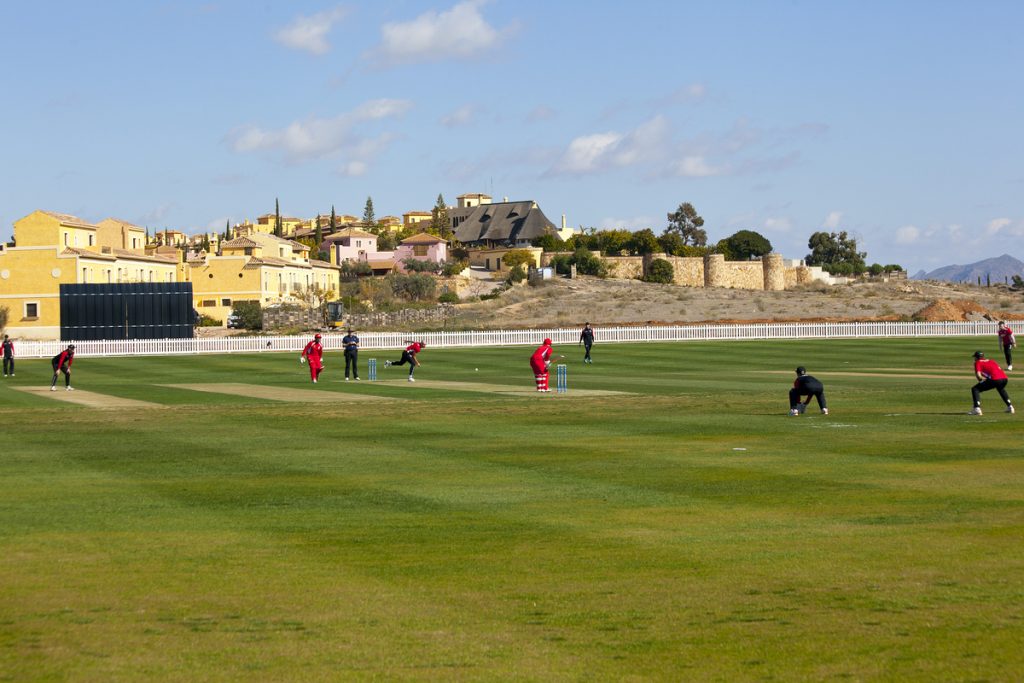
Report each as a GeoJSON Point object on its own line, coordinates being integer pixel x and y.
{"type": "Point", "coordinates": [605, 335]}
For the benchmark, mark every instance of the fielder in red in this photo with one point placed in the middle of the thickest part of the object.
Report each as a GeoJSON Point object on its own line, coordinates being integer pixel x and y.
{"type": "Point", "coordinates": [990, 376]}
{"type": "Point", "coordinates": [314, 354]}
{"type": "Point", "coordinates": [1006, 342]}
{"type": "Point", "coordinates": [539, 362]}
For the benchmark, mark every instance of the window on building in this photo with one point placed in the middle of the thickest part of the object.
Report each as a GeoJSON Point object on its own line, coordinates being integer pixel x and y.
{"type": "Point", "coordinates": [225, 302]}
{"type": "Point", "coordinates": [109, 276]}
{"type": "Point", "coordinates": [419, 250]}
{"type": "Point", "coordinates": [31, 310]}
{"type": "Point", "coordinates": [207, 303]}
{"type": "Point", "coordinates": [65, 239]}
{"type": "Point", "coordinates": [248, 251]}
{"type": "Point", "coordinates": [90, 240]}
{"type": "Point", "coordinates": [359, 243]}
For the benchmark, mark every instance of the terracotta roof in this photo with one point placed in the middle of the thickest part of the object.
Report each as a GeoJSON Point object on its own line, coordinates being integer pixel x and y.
{"type": "Point", "coordinates": [240, 242]}
{"type": "Point", "coordinates": [68, 219]}
{"type": "Point", "coordinates": [348, 232]}
{"type": "Point", "coordinates": [274, 261]}
{"type": "Point", "coordinates": [87, 253]}
{"type": "Point", "coordinates": [323, 264]}
{"type": "Point", "coordinates": [298, 245]}
{"type": "Point", "coordinates": [128, 254]}
{"type": "Point", "coordinates": [422, 238]}
{"type": "Point", "coordinates": [128, 225]}
{"type": "Point", "coordinates": [381, 265]}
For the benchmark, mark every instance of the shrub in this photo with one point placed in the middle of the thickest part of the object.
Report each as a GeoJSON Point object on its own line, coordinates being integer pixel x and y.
{"type": "Point", "coordinates": [416, 287]}
{"type": "Point", "coordinates": [419, 266]}
{"type": "Point", "coordinates": [249, 314]}
{"type": "Point", "coordinates": [450, 268]}
{"type": "Point", "coordinates": [448, 298]}
{"type": "Point", "coordinates": [588, 264]}
{"type": "Point", "coordinates": [660, 271]}
{"type": "Point", "coordinates": [517, 274]}
{"type": "Point", "coordinates": [209, 321]}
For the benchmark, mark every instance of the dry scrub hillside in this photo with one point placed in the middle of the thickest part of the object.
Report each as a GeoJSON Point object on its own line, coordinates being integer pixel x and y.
{"type": "Point", "coordinates": [608, 302]}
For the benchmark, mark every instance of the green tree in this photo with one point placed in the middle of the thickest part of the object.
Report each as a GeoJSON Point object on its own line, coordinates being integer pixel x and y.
{"type": "Point", "coordinates": [440, 223]}
{"type": "Point", "coordinates": [876, 269]}
{"type": "Point", "coordinates": [278, 230]}
{"type": "Point", "coordinates": [588, 264]}
{"type": "Point", "coordinates": [831, 250]}
{"type": "Point", "coordinates": [644, 242]}
{"type": "Point", "coordinates": [671, 243]}
{"type": "Point", "coordinates": [549, 242]}
{"type": "Point", "coordinates": [660, 271]}
{"type": "Point", "coordinates": [205, 244]}
{"type": "Point", "coordinates": [334, 219]}
{"type": "Point", "coordinates": [517, 257]}
{"type": "Point", "coordinates": [369, 219]}
{"type": "Point", "coordinates": [414, 265]}
{"type": "Point", "coordinates": [614, 242]}
{"type": "Point", "coordinates": [318, 233]}
{"type": "Point", "coordinates": [227, 231]}
{"type": "Point", "coordinates": [687, 223]}
{"type": "Point", "coordinates": [249, 314]}
{"type": "Point", "coordinates": [746, 244]}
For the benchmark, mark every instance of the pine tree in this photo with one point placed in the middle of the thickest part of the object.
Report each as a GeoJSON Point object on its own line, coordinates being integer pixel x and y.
{"type": "Point", "coordinates": [369, 220]}
{"type": "Point", "coordinates": [227, 230]}
{"type": "Point", "coordinates": [440, 223]}
{"type": "Point", "coordinates": [334, 219]}
{"type": "Point", "coordinates": [277, 218]}
{"type": "Point", "coordinates": [318, 233]}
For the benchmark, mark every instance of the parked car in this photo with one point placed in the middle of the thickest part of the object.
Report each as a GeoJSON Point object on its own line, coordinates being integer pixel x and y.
{"type": "Point", "coordinates": [234, 322]}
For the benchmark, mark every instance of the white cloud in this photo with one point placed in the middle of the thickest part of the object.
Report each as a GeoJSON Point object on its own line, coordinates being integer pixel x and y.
{"type": "Point", "coordinates": [463, 116]}
{"type": "Point", "coordinates": [908, 234]}
{"type": "Point", "coordinates": [458, 33]}
{"type": "Point", "coordinates": [695, 166]}
{"type": "Point", "coordinates": [315, 138]}
{"type": "Point", "coordinates": [832, 220]}
{"type": "Point", "coordinates": [310, 33]}
{"type": "Point", "coordinates": [609, 150]}
{"type": "Point", "coordinates": [999, 225]}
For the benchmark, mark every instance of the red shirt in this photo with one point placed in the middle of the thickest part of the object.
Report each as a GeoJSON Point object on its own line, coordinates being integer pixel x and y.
{"type": "Point", "coordinates": [413, 348]}
{"type": "Point", "coordinates": [314, 351]}
{"type": "Point", "coordinates": [989, 369]}
{"type": "Point", "coordinates": [542, 354]}
{"type": "Point", "coordinates": [66, 357]}
{"type": "Point", "coordinates": [1006, 337]}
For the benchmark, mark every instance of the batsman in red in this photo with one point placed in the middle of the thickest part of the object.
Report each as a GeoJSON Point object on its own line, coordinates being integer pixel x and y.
{"type": "Point", "coordinates": [539, 362]}
{"type": "Point", "coordinates": [314, 354]}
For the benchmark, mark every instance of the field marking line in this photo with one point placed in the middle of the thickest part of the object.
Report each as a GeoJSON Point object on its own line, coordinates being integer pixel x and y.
{"type": "Point", "coordinates": [90, 399]}
{"type": "Point", "coordinates": [961, 377]}
{"type": "Point", "coordinates": [505, 389]}
{"type": "Point", "coordinates": [286, 394]}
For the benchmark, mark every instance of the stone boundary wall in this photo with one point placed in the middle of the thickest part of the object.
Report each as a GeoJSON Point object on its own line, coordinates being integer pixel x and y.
{"type": "Point", "coordinates": [367, 321]}
{"type": "Point", "coordinates": [276, 317]}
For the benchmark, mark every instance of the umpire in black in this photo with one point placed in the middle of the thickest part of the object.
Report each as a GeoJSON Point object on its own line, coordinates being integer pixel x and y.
{"type": "Point", "coordinates": [806, 385]}
{"type": "Point", "coordinates": [351, 343]}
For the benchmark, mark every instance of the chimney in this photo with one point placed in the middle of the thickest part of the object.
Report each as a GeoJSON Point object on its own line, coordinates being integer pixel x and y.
{"type": "Point", "coordinates": [505, 199]}
{"type": "Point", "coordinates": [563, 221]}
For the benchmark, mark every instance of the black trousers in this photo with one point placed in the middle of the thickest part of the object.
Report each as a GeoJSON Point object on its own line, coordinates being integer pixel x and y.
{"type": "Point", "coordinates": [351, 356]}
{"type": "Point", "coordinates": [67, 375]}
{"type": "Point", "coordinates": [586, 347]}
{"type": "Point", "coordinates": [407, 358]}
{"type": "Point", "coordinates": [1008, 354]}
{"type": "Point", "coordinates": [817, 392]}
{"type": "Point", "coordinates": [997, 384]}
{"type": "Point", "coordinates": [8, 366]}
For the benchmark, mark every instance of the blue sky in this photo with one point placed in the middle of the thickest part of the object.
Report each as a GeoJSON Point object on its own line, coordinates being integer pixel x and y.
{"type": "Point", "coordinates": [897, 122]}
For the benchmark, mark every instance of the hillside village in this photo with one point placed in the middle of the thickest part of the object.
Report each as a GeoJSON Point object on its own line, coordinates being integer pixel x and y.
{"type": "Point", "coordinates": [275, 260]}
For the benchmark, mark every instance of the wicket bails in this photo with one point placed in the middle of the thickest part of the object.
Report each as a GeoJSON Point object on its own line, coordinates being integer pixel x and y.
{"type": "Point", "coordinates": [561, 378]}
{"type": "Point", "coordinates": [371, 369]}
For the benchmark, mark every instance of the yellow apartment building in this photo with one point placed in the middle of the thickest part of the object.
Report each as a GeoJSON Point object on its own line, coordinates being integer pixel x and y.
{"type": "Point", "coordinates": [51, 249]}
{"type": "Point", "coordinates": [259, 267]}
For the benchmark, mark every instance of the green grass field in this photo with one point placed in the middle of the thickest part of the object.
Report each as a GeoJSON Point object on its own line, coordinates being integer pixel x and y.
{"type": "Point", "coordinates": [684, 529]}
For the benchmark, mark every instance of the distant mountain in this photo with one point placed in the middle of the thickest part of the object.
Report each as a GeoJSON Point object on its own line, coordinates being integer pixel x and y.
{"type": "Point", "coordinates": [999, 269]}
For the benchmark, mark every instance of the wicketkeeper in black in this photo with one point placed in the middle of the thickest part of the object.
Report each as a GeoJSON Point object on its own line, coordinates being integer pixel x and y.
{"type": "Point", "coordinates": [806, 385]}
{"type": "Point", "coordinates": [351, 343]}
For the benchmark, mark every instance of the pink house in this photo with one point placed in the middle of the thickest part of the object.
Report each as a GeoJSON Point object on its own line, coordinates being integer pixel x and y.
{"type": "Point", "coordinates": [353, 244]}
{"type": "Point", "coordinates": [422, 247]}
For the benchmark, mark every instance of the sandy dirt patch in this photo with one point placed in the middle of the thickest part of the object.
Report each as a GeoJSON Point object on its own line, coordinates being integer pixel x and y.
{"type": "Point", "coordinates": [278, 393]}
{"type": "Point", "coordinates": [89, 399]}
{"type": "Point", "coordinates": [505, 389]}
